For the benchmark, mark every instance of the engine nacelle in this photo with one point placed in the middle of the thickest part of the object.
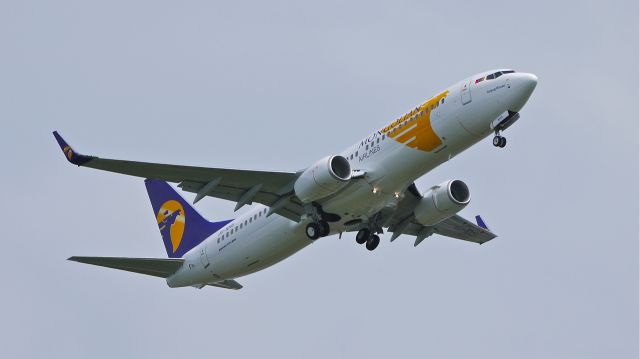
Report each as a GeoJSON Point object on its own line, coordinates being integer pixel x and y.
{"type": "Point", "coordinates": [441, 202]}
{"type": "Point", "coordinates": [323, 178]}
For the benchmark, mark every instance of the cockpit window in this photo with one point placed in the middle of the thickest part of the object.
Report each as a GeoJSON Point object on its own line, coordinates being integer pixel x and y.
{"type": "Point", "coordinates": [494, 75]}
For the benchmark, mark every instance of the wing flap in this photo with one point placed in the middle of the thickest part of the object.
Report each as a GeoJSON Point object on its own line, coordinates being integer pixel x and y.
{"type": "Point", "coordinates": [157, 267]}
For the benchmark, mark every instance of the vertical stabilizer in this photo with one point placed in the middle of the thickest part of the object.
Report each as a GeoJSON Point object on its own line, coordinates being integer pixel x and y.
{"type": "Point", "coordinates": [181, 226]}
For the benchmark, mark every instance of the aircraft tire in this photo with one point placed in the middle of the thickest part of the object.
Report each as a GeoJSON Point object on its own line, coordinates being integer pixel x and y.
{"type": "Point", "coordinates": [373, 242]}
{"type": "Point", "coordinates": [362, 236]}
{"type": "Point", "coordinates": [312, 231]}
{"type": "Point", "coordinates": [324, 228]}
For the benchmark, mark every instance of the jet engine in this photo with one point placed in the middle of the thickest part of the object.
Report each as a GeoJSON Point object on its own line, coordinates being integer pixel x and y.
{"type": "Point", "coordinates": [323, 178]}
{"type": "Point", "coordinates": [441, 202]}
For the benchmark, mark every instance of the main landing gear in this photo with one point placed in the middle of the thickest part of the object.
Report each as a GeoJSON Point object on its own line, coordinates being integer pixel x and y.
{"type": "Point", "coordinates": [365, 236]}
{"type": "Point", "coordinates": [499, 141]}
{"type": "Point", "coordinates": [318, 229]}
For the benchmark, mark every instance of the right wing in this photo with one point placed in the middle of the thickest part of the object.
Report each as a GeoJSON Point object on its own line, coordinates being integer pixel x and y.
{"type": "Point", "coordinates": [273, 189]}
{"type": "Point", "coordinates": [453, 227]}
{"type": "Point", "coordinates": [402, 221]}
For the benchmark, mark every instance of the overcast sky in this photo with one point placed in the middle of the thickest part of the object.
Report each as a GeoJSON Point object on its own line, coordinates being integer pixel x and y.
{"type": "Point", "coordinates": [276, 85]}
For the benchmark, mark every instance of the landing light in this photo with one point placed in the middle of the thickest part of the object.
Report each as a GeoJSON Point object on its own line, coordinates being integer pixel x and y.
{"type": "Point", "coordinates": [375, 190]}
{"type": "Point", "coordinates": [397, 194]}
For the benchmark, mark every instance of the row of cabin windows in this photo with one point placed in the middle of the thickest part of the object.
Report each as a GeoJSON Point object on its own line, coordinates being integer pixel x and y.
{"type": "Point", "coordinates": [411, 119]}
{"type": "Point", "coordinates": [242, 224]}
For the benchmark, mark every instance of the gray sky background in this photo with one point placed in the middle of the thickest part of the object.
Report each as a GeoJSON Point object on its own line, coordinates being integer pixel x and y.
{"type": "Point", "coordinates": [276, 85]}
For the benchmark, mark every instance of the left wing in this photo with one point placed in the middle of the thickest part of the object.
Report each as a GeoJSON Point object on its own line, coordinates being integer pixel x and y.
{"type": "Point", "coordinates": [273, 189]}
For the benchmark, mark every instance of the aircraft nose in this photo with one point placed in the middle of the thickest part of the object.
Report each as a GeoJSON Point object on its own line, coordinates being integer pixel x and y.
{"type": "Point", "coordinates": [523, 84]}
{"type": "Point", "coordinates": [529, 82]}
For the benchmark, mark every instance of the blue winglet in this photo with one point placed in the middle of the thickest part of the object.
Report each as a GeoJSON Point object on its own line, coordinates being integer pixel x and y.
{"type": "Point", "coordinates": [481, 222]}
{"type": "Point", "coordinates": [71, 155]}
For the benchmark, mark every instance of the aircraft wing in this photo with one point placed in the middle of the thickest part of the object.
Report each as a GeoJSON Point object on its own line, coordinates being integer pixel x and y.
{"type": "Point", "coordinates": [402, 221]}
{"type": "Point", "coordinates": [454, 227]}
{"type": "Point", "coordinates": [273, 189]}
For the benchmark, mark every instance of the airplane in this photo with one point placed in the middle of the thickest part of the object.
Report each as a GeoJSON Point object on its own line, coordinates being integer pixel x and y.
{"type": "Point", "coordinates": [364, 189]}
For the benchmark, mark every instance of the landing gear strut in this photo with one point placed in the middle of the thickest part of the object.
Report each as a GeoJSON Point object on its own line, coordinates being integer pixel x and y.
{"type": "Point", "coordinates": [499, 141]}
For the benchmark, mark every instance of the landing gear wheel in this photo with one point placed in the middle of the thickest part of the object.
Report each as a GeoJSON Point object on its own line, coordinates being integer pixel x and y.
{"type": "Point", "coordinates": [373, 242]}
{"type": "Point", "coordinates": [313, 231]}
{"type": "Point", "coordinates": [362, 236]}
{"type": "Point", "coordinates": [324, 228]}
{"type": "Point", "coordinates": [499, 141]}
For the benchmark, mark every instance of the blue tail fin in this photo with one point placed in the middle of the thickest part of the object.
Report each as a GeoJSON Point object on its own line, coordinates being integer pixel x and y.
{"type": "Point", "coordinates": [181, 227]}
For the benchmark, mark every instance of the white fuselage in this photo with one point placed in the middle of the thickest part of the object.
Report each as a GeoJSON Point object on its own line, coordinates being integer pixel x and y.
{"type": "Point", "coordinates": [392, 157]}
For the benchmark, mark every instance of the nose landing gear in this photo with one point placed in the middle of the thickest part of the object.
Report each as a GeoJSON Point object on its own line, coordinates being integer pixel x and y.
{"type": "Point", "coordinates": [499, 141]}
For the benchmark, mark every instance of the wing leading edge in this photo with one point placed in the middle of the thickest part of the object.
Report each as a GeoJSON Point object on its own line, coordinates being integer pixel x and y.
{"type": "Point", "coordinates": [273, 189]}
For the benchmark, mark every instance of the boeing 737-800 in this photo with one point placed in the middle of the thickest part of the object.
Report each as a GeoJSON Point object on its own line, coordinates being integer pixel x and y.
{"type": "Point", "coordinates": [366, 188]}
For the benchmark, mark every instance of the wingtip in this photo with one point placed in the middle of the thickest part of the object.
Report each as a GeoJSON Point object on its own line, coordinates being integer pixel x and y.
{"type": "Point", "coordinates": [481, 223]}
{"type": "Point", "coordinates": [69, 153]}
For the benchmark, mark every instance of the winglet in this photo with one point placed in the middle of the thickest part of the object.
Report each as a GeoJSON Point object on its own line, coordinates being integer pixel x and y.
{"type": "Point", "coordinates": [71, 155]}
{"type": "Point", "coordinates": [481, 222]}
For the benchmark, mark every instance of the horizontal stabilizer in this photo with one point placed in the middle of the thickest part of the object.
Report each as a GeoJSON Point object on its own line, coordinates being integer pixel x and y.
{"type": "Point", "coordinates": [228, 284]}
{"type": "Point", "coordinates": [156, 267]}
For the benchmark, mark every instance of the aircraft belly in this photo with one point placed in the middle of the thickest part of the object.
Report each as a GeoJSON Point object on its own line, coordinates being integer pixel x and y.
{"type": "Point", "coordinates": [263, 248]}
